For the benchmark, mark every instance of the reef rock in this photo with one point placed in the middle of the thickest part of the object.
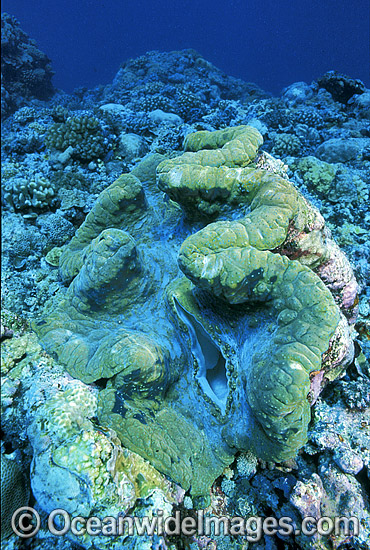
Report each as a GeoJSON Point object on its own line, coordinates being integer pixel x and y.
{"type": "Point", "coordinates": [25, 70]}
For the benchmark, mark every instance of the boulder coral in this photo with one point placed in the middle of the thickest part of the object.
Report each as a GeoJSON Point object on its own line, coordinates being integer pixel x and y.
{"type": "Point", "coordinates": [229, 358]}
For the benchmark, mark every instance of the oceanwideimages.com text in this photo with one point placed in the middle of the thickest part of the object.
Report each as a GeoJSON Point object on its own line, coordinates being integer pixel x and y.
{"type": "Point", "coordinates": [26, 522]}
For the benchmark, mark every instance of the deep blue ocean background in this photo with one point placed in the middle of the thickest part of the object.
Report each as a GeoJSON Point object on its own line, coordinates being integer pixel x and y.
{"type": "Point", "coordinates": [272, 43]}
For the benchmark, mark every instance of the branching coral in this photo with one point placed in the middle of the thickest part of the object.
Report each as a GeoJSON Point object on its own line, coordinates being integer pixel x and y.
{"type": "Point", "coordinates": [83, 133]}
{"type": "Point", "coordinates": [29, 194]}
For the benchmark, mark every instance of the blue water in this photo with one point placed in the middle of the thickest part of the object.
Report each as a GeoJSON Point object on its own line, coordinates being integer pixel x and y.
{"type": "Point", "coordinates": [270, 42]}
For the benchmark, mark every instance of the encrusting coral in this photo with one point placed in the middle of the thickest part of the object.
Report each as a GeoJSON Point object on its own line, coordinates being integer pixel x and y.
{"type": "Point", "coordinates": [68, 435]}
{"type": "Point", "coordinates": [229, 357]}
{"type": "Point", "coordinates": [81, 467]}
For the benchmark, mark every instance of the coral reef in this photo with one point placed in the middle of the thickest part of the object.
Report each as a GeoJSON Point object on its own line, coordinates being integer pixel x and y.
{"type": "Point", "coordinates": [164, 362]}
{"type": "Point", "coordinates": [349, 441]}
{"type": "Point", "coordinates": [56, 228]}
{"type": "Point", "coordinates": [286, 145]}
{"type": "Point", "coordinates": [360, 105]}
{"type": "Point", "coordinates": [114, 273]}
{"type": "Point", "coordinates": [83, 134]}
{"type": "Point", "coordinates": [73, 457]}
{"type": "Point", "coordinates": [297, 93]}
{"type": "Point", "coordinates": [74, 463]}
{"type": "Point", "coordinates": [180, 82]}
{"type": "Point", "coordinates": [25, 70]}
{"type": "Point", "coordinates": [27, 195]}
{"type": "Point", "coordinates": [317, 174]}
